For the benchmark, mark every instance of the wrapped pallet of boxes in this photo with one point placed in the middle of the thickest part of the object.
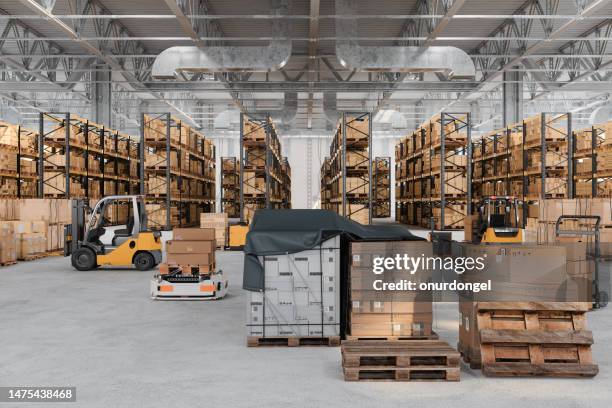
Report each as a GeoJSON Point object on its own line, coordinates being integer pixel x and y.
{"type": "Point", "coordinates": [192, 248]}
{"type": "Point", "coordinates": [301, 296]}
{"type": "Point", "coordinates": [375, 313]}
{"type": "Point", "coordinates": [8, 249]}
{"type": "Point", "coordinates": [217, 221]}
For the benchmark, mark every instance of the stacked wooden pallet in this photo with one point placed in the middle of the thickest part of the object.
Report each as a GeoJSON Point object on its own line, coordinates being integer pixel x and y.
{"type": "Point", "coordinates": [265, 172]}
{"type": "Point", "coordinates": [404, 360]}
{"type": "Point", "coordinates": [349, 183]}
{"type": "Point", "coordinates": [527, 339]}
{"type": "Point", "coordinates": [431, 173]}
{"type": "Point", "coordinates": [230, 192]}
{"type": "Point", "coordinates": [179, 165]}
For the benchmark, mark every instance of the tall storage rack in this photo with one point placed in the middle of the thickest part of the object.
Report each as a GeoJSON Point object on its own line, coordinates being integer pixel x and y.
{"type": "Point", "coordinates": [532, 159]}
{"type": "Point", "coordinates": [326, 184]}
{"type": "Point", "coordinates": [263, 181]}
{"type": "Point", "coordinates": [350, 157]}
{"type": "Point", "coordinates": [433, 173]}
{"type": "Point", "coordinates": [19, 154]}
{"type": "Point", "coordinates": [593, 161]}
{"type": "Point", "coordinates": [286, 182]}
{"type": "Point", "coordinates": [177, 172]}
{"type": "Point", "coordinates": [80, 158]}
{"type": "Point", "coordinates": [381, 187]}
{"type": "Point", "coordinates": [230, 183]}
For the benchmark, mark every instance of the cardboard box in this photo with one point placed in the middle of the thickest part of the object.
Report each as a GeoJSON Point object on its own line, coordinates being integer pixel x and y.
{"type": "Point", "coordinates": [188, 247]}
{"type": "Point", "coordinates": [193, 234]}
{"type": "Point", "coordinates": [190, 259]}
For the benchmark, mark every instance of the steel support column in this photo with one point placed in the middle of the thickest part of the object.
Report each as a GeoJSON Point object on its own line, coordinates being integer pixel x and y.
{"type": "Point", "coordinates": [513, 96]}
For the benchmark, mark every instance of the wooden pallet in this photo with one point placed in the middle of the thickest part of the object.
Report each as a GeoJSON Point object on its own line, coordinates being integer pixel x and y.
{"type": "Point", "coordinates": [258, 341]}
{"type": "Point", "coordinates": [416, 360]}
{"type": "Point", "coordinates": [8, 263]}
{"type": "Point", "coordinates": [432, 336]}
{"type": "Point", "coordinates": [535, 339]}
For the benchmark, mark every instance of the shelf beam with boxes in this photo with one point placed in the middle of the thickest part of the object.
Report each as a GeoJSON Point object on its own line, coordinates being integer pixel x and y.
{"type": "Point", "coordinates": [350, 169]}
{"type": "Point", "coordinates": [433, 173]}
{"type": "Point", "coordinates": [265, 182]}
{"type": "Point", "coordinates": [230, 187]}
{"type": "Point", "coordinates": [593, 161]}
{"type": "Point", "coordinates": [529, 159]}
{"type": "Point", "coordinates": [18, 154]}
{"type": "Point", "coordinates": [80, 158]}
{"type": "Point", "coordinates": [381, 187]}
{"type": "Point", "coordinates": [326, 184]}
{"type": "Point", "coordinates": [177, 172]}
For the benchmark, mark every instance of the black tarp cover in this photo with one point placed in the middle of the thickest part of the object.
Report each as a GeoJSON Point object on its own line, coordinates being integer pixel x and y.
{"type": "Point", "coordinates": [276, 232]}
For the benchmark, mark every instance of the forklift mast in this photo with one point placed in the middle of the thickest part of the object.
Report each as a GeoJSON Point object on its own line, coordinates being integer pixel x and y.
{"type": "Point", "coordinates": [75, 231]}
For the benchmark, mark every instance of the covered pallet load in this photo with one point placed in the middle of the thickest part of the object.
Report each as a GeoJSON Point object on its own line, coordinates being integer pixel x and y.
{"type": "Point", "coordinates": [296, 278]}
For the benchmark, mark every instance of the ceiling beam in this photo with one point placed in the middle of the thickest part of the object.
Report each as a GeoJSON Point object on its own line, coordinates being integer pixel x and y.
{"type": "Point", "coordinates": [313, 49]}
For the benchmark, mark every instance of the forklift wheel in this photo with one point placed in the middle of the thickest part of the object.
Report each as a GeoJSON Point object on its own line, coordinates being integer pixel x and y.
{"type": "Point", "coordinates": [84, 259]}
{"type": "Point", "coordinates": [143, 261]}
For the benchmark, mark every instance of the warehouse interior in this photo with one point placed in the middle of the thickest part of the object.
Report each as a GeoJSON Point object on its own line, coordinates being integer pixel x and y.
{"type": "Point", "coordinates": [212, 110]}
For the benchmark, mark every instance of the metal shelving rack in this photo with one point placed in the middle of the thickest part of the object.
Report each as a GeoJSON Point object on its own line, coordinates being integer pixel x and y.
{"type": "Point", "coordinates": [325, 184]}
{"type": "Point", "coordinates": [259, 143]}
{"type": "Point", "coordinates": [186, 166]}
{"type": "Point", "coordinates": [418, 198]}
{"type": "Point", "coordinates": [230, 191]}
{"type": "Point", "coordinates": [107, 163]}
{"type": "Point", "coordinates": [356, 206]}
{"type": "Point", "coordinates": [24, 147]}
{"type": "Point", "coordinates": [381, 190]}
{"type": "Point", "coordinates": [588, 143]}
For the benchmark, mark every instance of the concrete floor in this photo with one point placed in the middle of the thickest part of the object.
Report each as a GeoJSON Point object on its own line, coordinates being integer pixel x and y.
{"type": "Point", "coordinates": [100, 332]}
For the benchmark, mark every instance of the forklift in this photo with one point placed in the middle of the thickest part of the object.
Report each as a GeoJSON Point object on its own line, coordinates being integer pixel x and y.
{"type": "Point", "coordinates": [498, 221]}
{"type": "Point", "coordinates": [129, 244]}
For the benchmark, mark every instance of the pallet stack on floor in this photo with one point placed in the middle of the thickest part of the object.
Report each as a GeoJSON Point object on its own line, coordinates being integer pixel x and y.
{"type": "Point", "coordinates": [381, 187]}
{"type": "Point", "coordinates": [350, 171]}
{"type": "Point", "coordinates": [432, 176]}
{"type": "Point", "coordinates": [18, 154]}
{"type": "Point", "coordinates": [192, 250]}
{"type": "Point", "coordinates": [265, 173]}
{"type": "Point", "coordinates": [31, 228]}
{"type": "Point", "coordinates": [179, 172]}
{"type": "Point", "coordinates": [390, 336]}
{"type": "Point", "coordinates": [300, 305]}
{"type": "Point", "coordinates": [230, 191]}
{"type": "Point", "coordinates": [510, 339]}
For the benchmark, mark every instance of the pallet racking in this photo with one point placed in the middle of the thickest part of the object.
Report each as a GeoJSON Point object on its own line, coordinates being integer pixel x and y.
{"type": "Point", "coordinates": [350, 169]}
{"type": "Point", "coordinates": [592, 158]}
{"type": "Point", "coordinates": [177, 172]}
{"type": "Point", "coordinates": [230, 191]}
{"type": "Point", "coordinates": [325, 191]}
{"type": "Point", "coordinates": [433, 173]}
{"type": "Point", "coordinates": [18, 153]}
{"type": "Point", "coordinates": [264, 181]}
{"type": "Point", "coordinates": [381, 187]}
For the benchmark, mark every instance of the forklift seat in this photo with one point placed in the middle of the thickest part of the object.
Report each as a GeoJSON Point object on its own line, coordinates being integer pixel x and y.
{"type": "Point", "coordinates": [498, 220]}
{"type": "Point", "coordinates": [124, 233]}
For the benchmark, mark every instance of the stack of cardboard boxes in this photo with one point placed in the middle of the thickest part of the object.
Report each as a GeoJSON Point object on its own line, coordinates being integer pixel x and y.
{"type": "Point", "coordinates": [218, 222]}
{"type": "Point", "coordinates": [384, 314]}
{"type": "Point", "coordinates": [192, 249]}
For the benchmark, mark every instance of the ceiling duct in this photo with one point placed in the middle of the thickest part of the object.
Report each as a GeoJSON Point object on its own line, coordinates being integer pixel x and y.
{"type": "Point", "coordinates": [290, 109]}
{"type": "Point", "coordinates": [268, 58]}
{"type": "Point", "coordinates": [601, 114]}
{"type": "Point", "coordinates": [452, 62]}
{"type": "Point", "coordinates": [330, 107]}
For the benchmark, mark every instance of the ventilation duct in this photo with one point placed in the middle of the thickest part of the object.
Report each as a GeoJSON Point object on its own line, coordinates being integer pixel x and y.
{"type": "Point", "coordinates": [330, 107]}
{"type": "Point", "coordinates": [230, 58]}
{"type": "Point", "coordinates": [452, 62]}
{"type": "Point", "coordinates": [289, 111]}
{"type": "Point", "coordinates": [601, 114]}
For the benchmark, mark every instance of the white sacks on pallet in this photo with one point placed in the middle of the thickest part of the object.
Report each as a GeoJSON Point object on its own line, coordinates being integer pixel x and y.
{"type": "Point", "coordinates": [301, 296]}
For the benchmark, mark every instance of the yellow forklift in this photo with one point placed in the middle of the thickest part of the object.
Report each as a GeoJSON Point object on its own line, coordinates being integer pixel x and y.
{"type": "Point", "coordinates": [129, 244]}
{"type": "Point", "coordinates": [499, 221]}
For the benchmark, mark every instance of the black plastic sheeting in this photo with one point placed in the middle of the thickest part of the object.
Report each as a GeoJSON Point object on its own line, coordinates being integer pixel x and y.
{"type": "Point", "coordinates": [276, 232]}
